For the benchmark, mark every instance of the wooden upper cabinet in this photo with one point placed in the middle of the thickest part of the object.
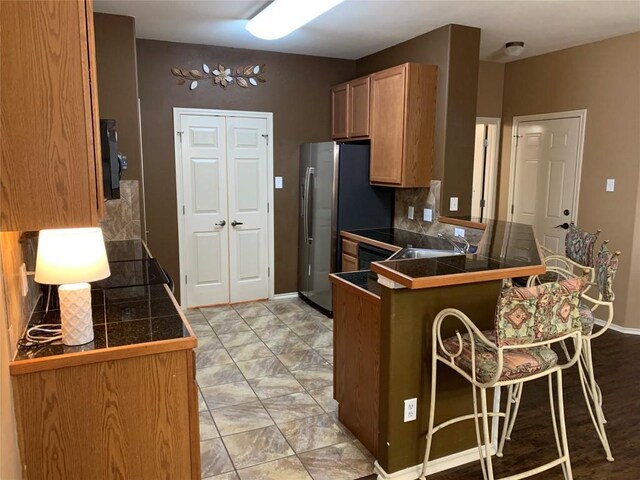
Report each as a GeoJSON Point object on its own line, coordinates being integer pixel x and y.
{"type": "Point", "coordinates": [339, 108]}
{"type": "Point", "coordinates": [402, 125]}
{"type": "Point", "coordinates": [358, 112]}
{"type": "Point", "coordinates": [50, 167]}
{"type": "Point", "coordinates": [350, 110]}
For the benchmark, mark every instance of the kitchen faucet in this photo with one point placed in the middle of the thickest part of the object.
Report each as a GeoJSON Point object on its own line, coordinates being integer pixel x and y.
{"type": "Point", "coordinates": [456, 246]}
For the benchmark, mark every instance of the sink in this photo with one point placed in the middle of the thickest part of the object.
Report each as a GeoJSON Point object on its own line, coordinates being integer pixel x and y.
{"type": "Point", "coordinates": [410, 252]}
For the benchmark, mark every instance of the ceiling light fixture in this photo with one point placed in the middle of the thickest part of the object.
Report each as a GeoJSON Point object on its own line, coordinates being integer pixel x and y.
{"type": "Point", "coordinates": [282, 17]}
{"type": "Point", "coordinates": [514, 49]}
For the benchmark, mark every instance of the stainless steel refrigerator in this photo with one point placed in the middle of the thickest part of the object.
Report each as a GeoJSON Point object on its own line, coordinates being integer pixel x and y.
{"type": "Point", "coordinates": [335, 195]}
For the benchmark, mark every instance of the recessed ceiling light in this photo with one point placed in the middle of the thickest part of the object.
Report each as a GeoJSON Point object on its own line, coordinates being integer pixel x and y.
{"type": "Point", "coordinates": [282, 17]}
{"type": "Point", "coordinates": [514, 49]}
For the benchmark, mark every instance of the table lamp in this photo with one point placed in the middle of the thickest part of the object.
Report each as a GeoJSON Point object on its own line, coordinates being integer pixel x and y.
{"type": "Point", "coordinates": [70, 258]}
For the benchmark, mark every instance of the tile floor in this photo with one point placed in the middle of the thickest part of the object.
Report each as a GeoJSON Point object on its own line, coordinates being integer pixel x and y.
{"type": "Point", "coordinates": [266, 401]}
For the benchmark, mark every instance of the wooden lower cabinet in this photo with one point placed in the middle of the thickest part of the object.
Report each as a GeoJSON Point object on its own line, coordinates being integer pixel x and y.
{"type": "Point", "coordinates": [356, 366]}
{"type": "Point", "coordinates": [349, 263]}
{"type": "Point", "coordinates": [129, 418]}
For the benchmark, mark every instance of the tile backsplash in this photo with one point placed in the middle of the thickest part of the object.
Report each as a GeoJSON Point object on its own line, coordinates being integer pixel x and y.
{"type": "Point", "coordinates": [419, 198]}
{"type": "Point", "coordinates": [122, 216]}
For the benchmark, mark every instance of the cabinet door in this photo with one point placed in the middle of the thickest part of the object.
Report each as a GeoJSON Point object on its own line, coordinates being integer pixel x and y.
{"type": "Point", "coordinates": [349, 263]}
{"type": "Point", "coordinates": [339, 111]}
{"type": "Point", "coordinates": [359, 108]}
{"type": "Point", "coordinates": [387, 125]}
{"type": "Point", "coordinates": [48, 172]}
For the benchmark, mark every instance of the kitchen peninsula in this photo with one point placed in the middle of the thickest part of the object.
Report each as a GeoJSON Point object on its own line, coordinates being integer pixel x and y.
{"type": "Point", "coordinates": [123, 405]}
{"type": "Point", "coordinates": [382, 341]}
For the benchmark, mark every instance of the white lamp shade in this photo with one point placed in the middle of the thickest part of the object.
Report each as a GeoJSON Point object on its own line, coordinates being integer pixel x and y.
{"type": "Point", "coordinates": [71, 255]}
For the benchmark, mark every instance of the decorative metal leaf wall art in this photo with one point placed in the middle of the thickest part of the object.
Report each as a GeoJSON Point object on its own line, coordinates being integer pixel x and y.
{"type": "Point", "coordinates": [244, 77]}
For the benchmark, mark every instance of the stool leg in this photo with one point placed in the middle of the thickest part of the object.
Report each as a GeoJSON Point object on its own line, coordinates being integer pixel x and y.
{"type": "Point", "coordinates": [432, 410]}
{"type": "Point", "coordinates": [593, 397]}
{"type": "Point", "coordinates": [514, 415]}
{"type": "Point", "coordinates": [486, 434]}
{"type": "Point", "coordinates": [555, 424]}
{"type": "Point", "coordinates": [476, 419]}
{"type": "Point", "coordinates": [563, 429]}
{"type": "Point", "coordinates": [505, 425]}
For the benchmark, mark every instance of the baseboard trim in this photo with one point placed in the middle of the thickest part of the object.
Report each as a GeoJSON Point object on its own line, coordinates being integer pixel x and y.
{"type": "Point", "coordinates": [284, 296]}
{"type": "Point", "coordinates": [618, 328]}
{"type": "Point", "coordinates": [435, 466]}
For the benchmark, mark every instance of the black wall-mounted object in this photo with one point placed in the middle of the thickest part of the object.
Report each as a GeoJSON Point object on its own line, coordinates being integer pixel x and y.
{"type": "Point", "coordinates": [113, 162]}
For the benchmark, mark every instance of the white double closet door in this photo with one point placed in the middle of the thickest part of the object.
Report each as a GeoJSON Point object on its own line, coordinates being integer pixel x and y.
{"type": "Point", "coordinates": [224, 238]}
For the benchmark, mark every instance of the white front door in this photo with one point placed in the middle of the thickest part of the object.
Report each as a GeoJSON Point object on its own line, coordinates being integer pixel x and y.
{"type": "Point", "coordinates": [544, 190]}
{"type": "Point", "coordinates": [222, 199]}
{"type": "Point", "coordinates": [204, 187]}
{"type": "Point", "coordinates": [247, 167]}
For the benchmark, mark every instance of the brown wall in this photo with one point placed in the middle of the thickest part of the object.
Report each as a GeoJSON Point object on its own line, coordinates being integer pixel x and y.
{"type": "Point", "coordinates": [604, 78]}
{"type": "Point", "coordinates": [118, 87]}
{"type": "Point", "coordinates": [490, 89]}
{"type": "Point", "coordinates": [454, 49]}
{"type": "Point", "coordinates": [297, 92]}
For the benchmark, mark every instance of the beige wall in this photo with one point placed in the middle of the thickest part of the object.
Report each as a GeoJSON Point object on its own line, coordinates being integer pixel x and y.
{"type": "Point", "coordinates": [603, 78]}
{"type": "Point", "coordinates": [490, 89]}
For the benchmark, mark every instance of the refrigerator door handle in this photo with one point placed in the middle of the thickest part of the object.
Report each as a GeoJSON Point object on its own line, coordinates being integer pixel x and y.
{"type": "Point", "coordinates": [305, 205]}
{"type": "Point", "coordinates": [309, 219]}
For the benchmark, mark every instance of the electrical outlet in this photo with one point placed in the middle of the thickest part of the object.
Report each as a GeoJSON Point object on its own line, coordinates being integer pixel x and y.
{"type": "Point", "coordinates": [427, 215]}
{"type": "Point", "coordinates": [23, 280]}
{"type": "Point", "coordinates": [458, 232]}
{"type": "Point", "coordinates": [453, 204]}
{"type": "Point", "coordinates": [410, 409]}
{"type": "Point", "coordinates": [278, 182]}
{"type": "Point", "coordinates": [410, 213]}
{"type": "Point", "coordinates": [611, 184]}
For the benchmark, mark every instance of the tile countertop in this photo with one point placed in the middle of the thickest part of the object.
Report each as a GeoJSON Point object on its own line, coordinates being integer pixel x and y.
{"type": "Point", "coordinates": [505, 250]}
{"type": "Point", "coordinates": [131, 309]}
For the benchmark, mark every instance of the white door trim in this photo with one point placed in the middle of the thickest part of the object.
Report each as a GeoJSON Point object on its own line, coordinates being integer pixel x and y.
{"type": "Point", "coordinates": [582, 115]}
{"type": "Point", "coordinates": [493, 164]}
{"type": "Point", "coordinates": [177, 111]}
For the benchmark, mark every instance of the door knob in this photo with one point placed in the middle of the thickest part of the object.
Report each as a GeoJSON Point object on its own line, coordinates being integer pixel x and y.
{"type": "Point", "coordinates": [221, 223]}
{"type": "Point", "coordinates": [564, 225]}
{"type": "Point", "coordinates": [566, 212]}
{"type": "Point", "coordinates": [234, 223]}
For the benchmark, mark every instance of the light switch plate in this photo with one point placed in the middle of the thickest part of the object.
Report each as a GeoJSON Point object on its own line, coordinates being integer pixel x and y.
{"type": "Point", "coordinates": [458, 232]}
{"type": "Point", "coordinates": [278, 182]}
{"type": "Point", "coordinates": [427, 215]}
{"type": "Point", "coordinates": [611, 184]}
{"type": "Point", "coordinates": [410, 213]}
{"type": "Point", "coordinates": [453, 204]}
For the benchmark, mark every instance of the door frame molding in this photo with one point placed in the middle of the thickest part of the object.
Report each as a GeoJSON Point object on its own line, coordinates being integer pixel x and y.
{"type": "Point", "coordinates": [177, 111]}
{"type": "Point", "coordinates": [582, 116]}
{"type": "Point", "coordinates": [494, 161]}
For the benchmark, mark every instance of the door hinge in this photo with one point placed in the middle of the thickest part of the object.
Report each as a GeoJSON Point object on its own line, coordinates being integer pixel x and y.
{"type": "Point", "coordinates": [485, 142]}
{"type": "Point", "coordinates": [180, 133]}
{"type": "Point", "coordinates": [265, 136]}
{"type": "Point", "coordinates": [186, 279]}
{"type": "Point", "coordinates": [184, 211]}
{"type": "Point", "coordinates": [267, 207]}
{"type": "Point", "coordinates": [482, 203]}
{"type": "Point", "coordinates": [268, 271]}
{"type": "Point", "coordinates": [512, 209]}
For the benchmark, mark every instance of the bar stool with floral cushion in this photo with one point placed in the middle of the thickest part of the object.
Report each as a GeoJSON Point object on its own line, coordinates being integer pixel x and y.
{"type": "Point", "coordinates": [605, 268]}
{"type": "Point", "coordinates": [579, 247]}
{"type": "Point", "coordinates": [528, 320]}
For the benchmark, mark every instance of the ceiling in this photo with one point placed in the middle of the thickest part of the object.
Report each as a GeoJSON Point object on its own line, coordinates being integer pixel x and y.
{"type": "Point", "coordinates": [357, 28]}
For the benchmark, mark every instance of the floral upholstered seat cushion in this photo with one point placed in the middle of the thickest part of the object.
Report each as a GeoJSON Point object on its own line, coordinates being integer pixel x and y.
{"type": "Point", "coordinates": [534, 314]}
{"type": "Point", "coordinates": [518, 363]}
{"type": "Point", "coordinates": [579, 245]}
{"type": "Point", "coordinates": [586, 318]}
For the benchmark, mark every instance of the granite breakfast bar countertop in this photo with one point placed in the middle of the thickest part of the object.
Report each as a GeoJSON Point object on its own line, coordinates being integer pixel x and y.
{"type": "Point", "coordinates": [133, 311]}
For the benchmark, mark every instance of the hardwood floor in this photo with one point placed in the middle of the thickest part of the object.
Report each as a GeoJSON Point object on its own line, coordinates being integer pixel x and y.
{"type": "Point", "coordinates": [617, 367]}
